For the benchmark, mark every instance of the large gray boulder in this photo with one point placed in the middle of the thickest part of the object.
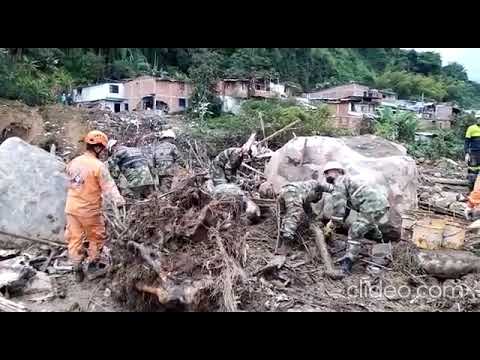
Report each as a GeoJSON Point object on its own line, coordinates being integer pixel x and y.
{"type": "Point", "coordinates": [33, 189]}
{"type": "Point", "coordinates": [376, 161]}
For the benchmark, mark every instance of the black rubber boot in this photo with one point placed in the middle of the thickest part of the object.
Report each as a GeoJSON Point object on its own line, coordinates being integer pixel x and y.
{"type": "Point", "coordinates": [79, 274]}
{"type": "Point", "coordinates": [347, 265]}
{"type": "Point", "coordinates": [95, 270]}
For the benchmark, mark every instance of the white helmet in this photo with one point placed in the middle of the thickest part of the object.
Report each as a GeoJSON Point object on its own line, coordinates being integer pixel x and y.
{"type": "Point", "coordinates": [111, 144]}
{"type": "Point", "coordinates": [333, 165]}
{"type": "Point", "coordinates": [167, 134]}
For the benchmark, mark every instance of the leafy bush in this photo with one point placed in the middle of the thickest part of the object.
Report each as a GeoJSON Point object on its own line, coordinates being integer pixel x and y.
{"type": "Point", "coordinates": [232, 130]}
{"type": "Point", "coordinates": [446, 144]}
{"type": "Point", "coordinates": [399, 126]}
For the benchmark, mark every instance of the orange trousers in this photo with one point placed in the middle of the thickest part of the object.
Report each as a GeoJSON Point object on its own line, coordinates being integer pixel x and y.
{"type": "Point", "coordinates": [94, 229]}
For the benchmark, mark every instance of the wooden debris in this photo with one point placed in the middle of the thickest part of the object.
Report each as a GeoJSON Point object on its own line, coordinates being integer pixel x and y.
{"type": "Point", "coordinates": [254, 170]}
{"type": "Point", "coordinates": [10, 306]}
{"type": "Point", "coordinates": [279, 131]}
{"type": "Point", "coordinates": [440, 210]}
{"type": "Point", "coordinates": [276, 263]}
{"type": "Point", "coordinates": [48, 261]}
{"type": "Point", "coordinates": [446, 181]}
{"type": "Point", "coordinates": [38, 240]}
{"type": "Point", "coordinates": [331, 272]}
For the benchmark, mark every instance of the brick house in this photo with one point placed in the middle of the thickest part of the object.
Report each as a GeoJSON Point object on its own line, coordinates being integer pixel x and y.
{"type": "Point", "coordinates": [168, 95]}
{"type": "Point", "coordinates": [438, 115]}
{"type": "Point", "coordinates": [233, 92]}
{"type": "Point", "coordinates": [349, 104]}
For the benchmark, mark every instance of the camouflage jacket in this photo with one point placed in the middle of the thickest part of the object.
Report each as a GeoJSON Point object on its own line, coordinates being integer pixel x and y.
{"type": "Point", "coordinates": [356, 195]}
{"type": "Point", "coordinates": [132, 164]}
{"type": "Point", "coordinates": [226, 164]}
{"type": "Point", "coordinates": [309, 191]}
{"type": "Point", "coordinates": [165, 155]}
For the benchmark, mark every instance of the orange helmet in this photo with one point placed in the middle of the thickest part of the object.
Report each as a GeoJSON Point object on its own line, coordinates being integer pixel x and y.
{"type": "Point", "coordinates": [96, 137]}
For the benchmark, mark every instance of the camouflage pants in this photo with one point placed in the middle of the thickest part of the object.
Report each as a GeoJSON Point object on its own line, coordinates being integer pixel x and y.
{"type": "Point", "coordinates": [365, 223]}
{"type": "Point", "coordinates": [163, 173]}
{"type": "Point", "coordinates": [218, 176]}
{"type": "Point", "coordinates": [291, 207]}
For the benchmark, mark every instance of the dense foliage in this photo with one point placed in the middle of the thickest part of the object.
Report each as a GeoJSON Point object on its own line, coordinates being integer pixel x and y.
{"type": "Point", "coordinates": [232, 130]}
{"type": "Point", "coordinates": [35, 74]}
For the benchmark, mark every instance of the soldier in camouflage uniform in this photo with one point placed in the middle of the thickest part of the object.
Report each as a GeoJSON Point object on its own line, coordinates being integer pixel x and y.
{"type": "Point", "coordinates": [165, 156]}
{"type": "Point", "coordinates": [225, 166]}
{"type": "Point", "coordinates": [295, 201]}
{"type": "Point", "coordinates": [369, 202]}
{"type": "Point", "coordinates": [133, 165]}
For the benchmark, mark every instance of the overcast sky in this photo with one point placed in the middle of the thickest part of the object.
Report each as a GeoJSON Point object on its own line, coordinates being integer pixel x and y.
{"type": "Point", "coordinates": [468, 57]}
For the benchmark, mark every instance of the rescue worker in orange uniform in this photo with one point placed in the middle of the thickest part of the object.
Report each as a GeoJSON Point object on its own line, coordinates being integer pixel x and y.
{"type": "Point", "coordinates": [472, 210]}
{"type": "Point", "coordinates": [89, 184]}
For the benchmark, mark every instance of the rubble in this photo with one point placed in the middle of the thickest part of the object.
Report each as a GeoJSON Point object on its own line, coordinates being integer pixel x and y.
{"type": "Point", "coordinates": [188, 250]}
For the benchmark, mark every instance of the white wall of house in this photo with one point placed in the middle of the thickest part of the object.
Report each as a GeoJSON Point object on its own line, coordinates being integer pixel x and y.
{"type": "Point", "coordinates": [231, 104]}
{"type": "Point", "coordinates": [99, 92]}
{"type": "Point", "coordinates": [277, 88]}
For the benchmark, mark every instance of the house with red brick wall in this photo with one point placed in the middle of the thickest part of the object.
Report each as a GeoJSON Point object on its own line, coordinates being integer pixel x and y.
{"type": "Point", "coordinates": [149, 92]}
{"type": "Point", "coordinates": [349, 104]}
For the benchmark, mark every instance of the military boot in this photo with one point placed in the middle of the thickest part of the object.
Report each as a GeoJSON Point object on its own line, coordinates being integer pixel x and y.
{"type": "Point", "coordinates": [346, 264]}
{"type": "Point", "coordinates": [78, 273]}
{"type": "Point", "coordinates": [96, 269]}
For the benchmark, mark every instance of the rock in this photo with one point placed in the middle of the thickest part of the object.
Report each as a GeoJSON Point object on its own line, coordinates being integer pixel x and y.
{"type": "Point", "coordinates": [14, 275]}
{"type": "Point", "coordinates": [39, 284]}
{"type": "Point", "coordinates": [446, 199]}
{"type": "Point", "coordinates": [421, 160]}
{"type": "Point", "coordinates": [33, 189]}
{"type": "Point", "coordinates": [449, 264]}
{"type": "Point", "coordinates": [8, 254]}
{"type": "Point", "coordinates": [437, 174]}
{"type": "Point", "coordinates": [396, 173]}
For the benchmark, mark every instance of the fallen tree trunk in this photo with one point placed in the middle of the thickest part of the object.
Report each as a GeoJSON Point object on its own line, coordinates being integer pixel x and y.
{"type": "Point", "coordinates": [331, 272]}
{"type": "Point", "coordinates": [439, 210]}
{"type": "Point", "coordinates": [10, 306]}
{"type": "Point", "coordinates": [279, 132]}
{"type": "Point", "coordinates": [38, 240]}
{"type": "Point", "coordinates": [446, 181]}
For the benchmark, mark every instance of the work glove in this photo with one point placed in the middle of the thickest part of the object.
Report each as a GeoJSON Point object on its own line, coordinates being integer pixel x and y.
{"type": "Point", "coordinates": [467, 158]}
{"type": "Point", "coordinates": [468, 213]}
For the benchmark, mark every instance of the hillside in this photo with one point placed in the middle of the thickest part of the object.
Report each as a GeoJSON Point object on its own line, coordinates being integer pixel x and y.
{"type": "Point", "coordinates": [37, 75]}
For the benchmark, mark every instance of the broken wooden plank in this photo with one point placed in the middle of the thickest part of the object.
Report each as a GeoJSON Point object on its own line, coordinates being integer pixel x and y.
{"type": "Point", "coordinates": [38, 240]}
{"type": "Point", "coordinates": [254, 170]}
{"type": "Point", "coordinates": [446, 181]}
{"type": "Point", "coordinates": [439, 210]}
{"type": "Point", "coordinates": [10, 306]}
{"type": "Point", "coordinates": [279, 131]}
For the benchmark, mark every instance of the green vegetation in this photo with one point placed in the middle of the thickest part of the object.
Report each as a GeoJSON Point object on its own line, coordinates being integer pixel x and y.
{"type": "Point", "coordinates": [411, 74]}
{"type": "Point", "coordinates": [399, 126]}
{"type": "Point", "coordinates": [232, 130]}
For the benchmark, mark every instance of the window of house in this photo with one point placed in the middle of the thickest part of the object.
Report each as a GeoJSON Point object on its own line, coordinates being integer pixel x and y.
{"type": "Point", "coordinates": [126, 107]}
{"type": "Point", "coordinates": [116, 107]}
{"type": "Point", "coordinates": [113, 89]}
{"type": "Point", "coordinates": [182, 103]}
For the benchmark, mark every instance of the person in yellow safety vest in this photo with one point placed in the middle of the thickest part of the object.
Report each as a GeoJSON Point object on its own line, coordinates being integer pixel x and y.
{"type": "Point", "coordinates": [472, 151]}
